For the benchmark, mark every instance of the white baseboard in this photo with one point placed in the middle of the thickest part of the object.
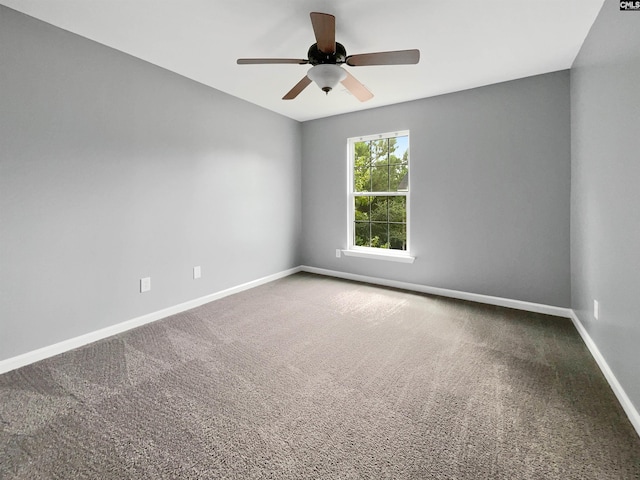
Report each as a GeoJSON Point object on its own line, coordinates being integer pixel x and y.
{"type": "Point", "coordinates": [66, 345]}
{"type": "Point", "coordinates": [443, 292]}
{"type": "Point", "coordinates": [625, 401]}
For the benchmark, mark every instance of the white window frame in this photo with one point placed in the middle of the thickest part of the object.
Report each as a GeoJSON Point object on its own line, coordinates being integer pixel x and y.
{"type": "Point", "coordinates": [374, 252]}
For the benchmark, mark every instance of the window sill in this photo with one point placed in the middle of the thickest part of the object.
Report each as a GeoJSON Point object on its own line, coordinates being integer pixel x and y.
{"type": "Point", "coordinates": [391, 257]}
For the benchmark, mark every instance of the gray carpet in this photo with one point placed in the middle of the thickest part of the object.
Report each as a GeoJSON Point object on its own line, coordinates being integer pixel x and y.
{"type": "Point", "coordinates": [313, 377]}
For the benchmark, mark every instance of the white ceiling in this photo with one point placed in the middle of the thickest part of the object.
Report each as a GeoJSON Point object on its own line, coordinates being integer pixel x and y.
{"type": "Point", "coordinates": [463, 43]}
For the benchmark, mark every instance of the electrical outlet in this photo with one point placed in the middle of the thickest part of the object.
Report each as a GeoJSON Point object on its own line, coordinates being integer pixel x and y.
{"type": "Point", "coordinates": [197, 272]}
{"type": "Point", "coordinates": [145, 284]}
{"type": "Point", "coordinates": [596, 309]}
{"type": "Point", "coordinates": [338, 253]}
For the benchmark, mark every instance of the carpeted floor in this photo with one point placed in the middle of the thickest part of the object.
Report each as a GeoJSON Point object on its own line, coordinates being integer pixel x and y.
{"type": "Point", "coordinates": [313, 377]}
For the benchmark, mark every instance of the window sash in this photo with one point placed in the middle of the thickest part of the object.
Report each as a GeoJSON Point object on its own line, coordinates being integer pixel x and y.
{"type": "Point", "coordinates": [351, 217]}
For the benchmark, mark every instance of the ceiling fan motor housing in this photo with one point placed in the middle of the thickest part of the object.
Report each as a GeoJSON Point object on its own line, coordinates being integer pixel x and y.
{"type": "Point", "coordinates": [317, 57]}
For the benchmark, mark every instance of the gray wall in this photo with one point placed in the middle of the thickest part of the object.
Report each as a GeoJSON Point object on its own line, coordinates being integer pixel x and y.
{"type": "Point", "coordinates": [112, 169]}
{"type": "Point", "coordinates": [490, 179]}
{"type": "Point", "coordinates": [605, 197]}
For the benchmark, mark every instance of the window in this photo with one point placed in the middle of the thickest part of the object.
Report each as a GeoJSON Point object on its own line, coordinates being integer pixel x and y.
{"type": "Point", "coordinates": [379, 194]}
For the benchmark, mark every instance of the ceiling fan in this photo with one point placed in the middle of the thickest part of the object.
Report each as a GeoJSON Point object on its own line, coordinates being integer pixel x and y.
{"type": "Point", "coordinates": [326, 56]}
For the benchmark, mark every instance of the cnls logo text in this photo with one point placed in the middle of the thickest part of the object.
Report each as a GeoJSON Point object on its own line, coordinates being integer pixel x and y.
{"type": "Point", "coordinates": [630, 5]}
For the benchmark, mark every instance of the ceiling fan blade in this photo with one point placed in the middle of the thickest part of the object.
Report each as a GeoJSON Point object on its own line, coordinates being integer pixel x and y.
{"type": "Point", "coordinates": [295, 91]}
{"type": "Point", "coordinates": [324, 28]}
{"type": "Point", "coordinates": [398, 57]}
{"type": "Point", "coordinates": [357, 89]}
{"type": "Point", "coordinates": [265, 61]}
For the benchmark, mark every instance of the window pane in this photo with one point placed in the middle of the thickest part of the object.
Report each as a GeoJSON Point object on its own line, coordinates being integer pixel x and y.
{"type": "Point", "coordinates": [380, 179]}
{"type": "Point", "coordinates": [380, 152]}
{"type": "Point", "coordinates": [362, 208]}
{"type": "Point", "coordinates": [362, 237]}
{"type": "Point", "coordinates": [379, 211]}
{"type": "Point", "coordinates": [398, 178]}
{"type": "Point", "coordinates": [398, 209]}
{"type": "Point", "coordinates": [362, 179]}
{"type": "Point", "coordinates": [380, 235]}
{"type": "Point", "coordinates": [398, 236]}
{"type": "Point", "coordinates": [400, 150]}
{"type": "Point", "coordinates": [362, 157]}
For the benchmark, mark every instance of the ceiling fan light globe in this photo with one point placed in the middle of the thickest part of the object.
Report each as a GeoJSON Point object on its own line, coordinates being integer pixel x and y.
{"type": "Point", "coordinates": [326, 76]}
